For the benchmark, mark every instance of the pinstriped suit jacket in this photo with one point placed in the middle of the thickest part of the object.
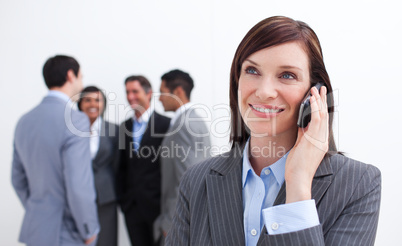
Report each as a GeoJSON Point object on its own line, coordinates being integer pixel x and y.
{"type": "Point", "coordinates": [210, 209]}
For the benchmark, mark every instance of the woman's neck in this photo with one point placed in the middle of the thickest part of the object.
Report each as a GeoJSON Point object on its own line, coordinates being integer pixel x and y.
{"type": "Point", "coordinates": [92, 120]}
{"type": "Point", "coordinates": [265, 151]}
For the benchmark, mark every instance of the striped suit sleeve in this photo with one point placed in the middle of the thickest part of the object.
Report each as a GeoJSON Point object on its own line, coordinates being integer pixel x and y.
{"type": "Point", "coordinates": [357, 224]}
{"type": "Point", "coordinates": [348, 212]}
{"type": "Point", "coordinates": [179, 233]}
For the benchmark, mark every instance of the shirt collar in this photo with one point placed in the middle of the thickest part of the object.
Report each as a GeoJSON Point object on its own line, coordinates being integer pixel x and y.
{"type": "Point", "coordinates": [277, 168]}
{"type": "Point", "coordinates": [246, 163]}
{"type": "Point", "coordinates": [144, 118]}
{"type": "Point", "coordinates": [183, 108]}
{"type": "Point", "coordinates": [58, 94]}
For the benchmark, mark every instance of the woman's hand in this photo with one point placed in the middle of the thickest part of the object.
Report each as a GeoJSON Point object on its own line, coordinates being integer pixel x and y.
{"type": "Point", "coordinates": [309, 150]}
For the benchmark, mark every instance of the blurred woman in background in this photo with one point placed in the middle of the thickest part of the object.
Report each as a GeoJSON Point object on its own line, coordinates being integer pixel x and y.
{"type": "Point", "coordinates": [104, 152]}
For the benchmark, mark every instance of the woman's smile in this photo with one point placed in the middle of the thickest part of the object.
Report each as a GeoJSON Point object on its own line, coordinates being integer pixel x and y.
{"type": "Point", "coordinates": [266, 111]}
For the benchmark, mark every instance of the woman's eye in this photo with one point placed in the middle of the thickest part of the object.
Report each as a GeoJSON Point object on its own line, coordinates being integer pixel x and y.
{"type": "Point", "coordinates": [288, 76]}
{"type": "Point", "coordinates": [251, 70]}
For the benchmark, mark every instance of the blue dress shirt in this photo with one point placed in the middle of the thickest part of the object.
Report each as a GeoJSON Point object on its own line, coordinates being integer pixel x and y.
{"type": "Point", "coordinates": [139, 127]}
{"type": "Point", "coordinates": [138, 130]}
{"type": "Point", "coordinates": [259, 194]}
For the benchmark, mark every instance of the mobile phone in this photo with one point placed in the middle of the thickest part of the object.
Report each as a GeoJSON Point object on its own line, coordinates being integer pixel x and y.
{"type": "Point", "coordinates": [305, 108]}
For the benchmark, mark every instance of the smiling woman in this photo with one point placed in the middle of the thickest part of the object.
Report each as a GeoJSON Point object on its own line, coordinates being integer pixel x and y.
{"type": "Point", "coordinates": [92, 102]}
{"type": "Point", "coordinates": [104, 153]}
{"type": "Point", "coordinates": [280, 184]}
{"type": "Point", "coordinates": [272, 83]}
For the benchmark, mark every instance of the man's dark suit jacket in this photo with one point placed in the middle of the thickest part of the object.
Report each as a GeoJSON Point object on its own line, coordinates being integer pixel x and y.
{"type": "Point", "coordinates": [210, 206]}
{"type": "Point", "coordinates": [139, 174]}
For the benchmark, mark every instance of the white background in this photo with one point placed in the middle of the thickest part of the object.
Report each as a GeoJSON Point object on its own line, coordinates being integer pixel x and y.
{"type": "Point", "coordinates": [361, 41]}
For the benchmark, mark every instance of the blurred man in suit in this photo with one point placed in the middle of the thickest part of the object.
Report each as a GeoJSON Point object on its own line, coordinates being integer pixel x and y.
{"type": "Point", "coordinates": [51, 168]}
{"type": "Point", "coordinates": [139, 176]}
{"type": "Point", "coordinates": [187, 140]}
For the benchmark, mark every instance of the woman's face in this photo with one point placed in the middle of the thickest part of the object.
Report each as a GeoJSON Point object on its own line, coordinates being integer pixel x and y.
{"type": "Point", "coordinates": [273, 82]}
{"type": "Point", "coordinates": [92, 104]}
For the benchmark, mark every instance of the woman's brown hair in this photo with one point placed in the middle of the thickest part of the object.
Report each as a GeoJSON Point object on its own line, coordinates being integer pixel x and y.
{"type": "Point", "coordinates": [270, 32]}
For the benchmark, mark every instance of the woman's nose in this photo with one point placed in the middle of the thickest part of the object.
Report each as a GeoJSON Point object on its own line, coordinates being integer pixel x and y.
{"type": "Point", "coordinates": [94, 103]}
{"type": "Point", "coordinates": [267, 89]}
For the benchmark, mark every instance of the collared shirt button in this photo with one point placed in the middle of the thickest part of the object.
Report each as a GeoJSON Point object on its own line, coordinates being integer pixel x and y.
{"type": "Point", "coordinates": [253, 232]}
{"type": "Point", "coordinates": [275, 226]}
{"type": "Point", "coordinates": [267, 172]}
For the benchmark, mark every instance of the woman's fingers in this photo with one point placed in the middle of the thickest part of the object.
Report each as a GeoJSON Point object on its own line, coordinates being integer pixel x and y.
{"type": "Point", "coordinates": [325, 109]}
{"type": "Point", "coordinates": [318, 102]}
{"type": "Point", "coordinates": [316, 106]}
{"type": "Point", "coordinates": [324, 104]}
{"type": "Point", "coordinates": [317, 133]}
{"type": "Point", "coordinates": [324, 96]}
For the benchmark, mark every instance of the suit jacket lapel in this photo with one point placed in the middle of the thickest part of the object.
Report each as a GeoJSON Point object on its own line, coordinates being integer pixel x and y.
{"type": "Point", "coordinates": [101, 140]}
{"type": "Point", "coordinates": [322, 180]}
{"type": "Point", "coordinates": [102, 145]}
{"type": "Point", "coordinates": [224, 197]}
{"type": "Point", "coordinates": [151, 124]}
{"type": "Point", "coordinates": [319, 186]}
{"type": "Point", "coordinates": [128, 133]}
{"type": "Point", "coordinates": [100, 150]}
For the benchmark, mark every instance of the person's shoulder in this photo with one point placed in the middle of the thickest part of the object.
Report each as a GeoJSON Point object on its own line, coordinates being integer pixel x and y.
{"type": "Point", "coordinates": [37, 109]}
{"type": "Point", "coordinates": [76, 116]}
{"type": "Point", "coordinates": [344, 165]}
{"type": "Point", "coordinates": [110, 124]}
{"type": "Point", "coordinates": [159, 122]}
{"type": "Point", "coordinates": [161, 117]}
{"type": "Point", "coordinates": [111, 127]}
{"type": "Point", "coordinates": [76, 123]}
{"type": "Point", "coordinates": [195, 176]}
{"type": "Point", "coordinates": [195, 112]}
{"type": "Point", "coordinates": [221, 163]}
{"type": "Point", "coordinates": [203, 166]}
{"type": "Point", "coordinates": [25, 119]}
{"type": "Point", "coordinates": [194, 180]}
{"type": "Point", "coordinates": [195, 121]}
{"type": "Point", "coordinates": [126, 122]}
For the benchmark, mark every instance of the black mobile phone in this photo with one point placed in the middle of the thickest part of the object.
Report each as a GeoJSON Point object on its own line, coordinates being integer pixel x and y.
{"type": "Point", "coordinates": [305, 109]}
